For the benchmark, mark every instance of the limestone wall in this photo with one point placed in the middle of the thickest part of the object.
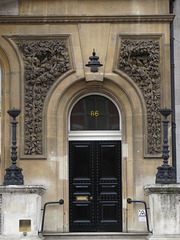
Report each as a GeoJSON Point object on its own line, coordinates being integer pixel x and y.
{"type": "Point", "coordinates": [133, 50]}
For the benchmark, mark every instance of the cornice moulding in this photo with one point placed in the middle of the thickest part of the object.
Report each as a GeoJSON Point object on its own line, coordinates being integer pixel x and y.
{"type": "Point", "coordinates": [85, 19]}
{"type": "Point", "coordinates": [162, 189]}
{"type": "Point", "coordinates": [23, 189]}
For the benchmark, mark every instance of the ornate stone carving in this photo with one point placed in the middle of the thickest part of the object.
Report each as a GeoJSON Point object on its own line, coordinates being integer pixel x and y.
{"type": "Point", "coordinates": [45, 60]}
{"type": "Point", "coordinates": [140, 60]}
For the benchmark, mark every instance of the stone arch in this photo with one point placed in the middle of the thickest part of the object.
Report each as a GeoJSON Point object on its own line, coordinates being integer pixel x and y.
{"type": "Point", "coordinates": [57, 110]}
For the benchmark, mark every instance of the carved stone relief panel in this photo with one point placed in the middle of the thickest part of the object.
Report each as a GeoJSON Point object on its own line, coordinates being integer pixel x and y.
{"type": "Point", "coordinates": [139, 59]}
{"type": "Point", "coordinates": [45, 60]}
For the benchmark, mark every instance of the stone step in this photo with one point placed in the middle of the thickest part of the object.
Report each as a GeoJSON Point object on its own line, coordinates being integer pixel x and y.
{"type": "Point", "coordinates": [95, 236]}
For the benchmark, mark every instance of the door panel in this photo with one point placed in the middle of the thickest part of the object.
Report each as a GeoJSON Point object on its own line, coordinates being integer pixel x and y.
{"type": "Point", "coordinates": [82, 158]}
{"type": "Point", "coordinates": [95, 186]}
{"type": "Point", "coordinates": [107, 161]}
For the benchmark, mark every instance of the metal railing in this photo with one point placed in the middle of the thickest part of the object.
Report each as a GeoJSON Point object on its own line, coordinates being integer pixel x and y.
{"type": "Point", "coordinates": [129, 200]}
{"type": "Point", "coordinates": [61, 202]}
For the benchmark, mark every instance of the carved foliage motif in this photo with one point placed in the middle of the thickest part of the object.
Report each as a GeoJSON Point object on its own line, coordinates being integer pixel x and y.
{"type": "Point", "coordinates": [44, 61]}
{"type": "Point", "coordinates": [140, 60]}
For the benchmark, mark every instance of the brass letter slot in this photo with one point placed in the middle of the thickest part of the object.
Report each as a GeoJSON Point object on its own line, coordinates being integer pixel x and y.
{"type": "Point", "coordinates": [82, 198]}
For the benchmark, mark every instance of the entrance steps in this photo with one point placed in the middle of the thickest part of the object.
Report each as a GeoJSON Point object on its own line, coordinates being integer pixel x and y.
{"type": "Point", "coordinates": [95, 236]}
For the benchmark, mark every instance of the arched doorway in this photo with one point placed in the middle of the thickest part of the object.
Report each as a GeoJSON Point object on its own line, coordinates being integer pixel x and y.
{"type": "Point", "coordinates": [95, 191]}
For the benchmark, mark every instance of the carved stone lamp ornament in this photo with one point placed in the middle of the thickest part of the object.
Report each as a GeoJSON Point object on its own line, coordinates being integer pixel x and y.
{"type": "Point", "coordinates": [13, 174]}
{"type": "Point", "coordinates": [166, 173]}
{"type": "Point", "coordinates": [94, 63]}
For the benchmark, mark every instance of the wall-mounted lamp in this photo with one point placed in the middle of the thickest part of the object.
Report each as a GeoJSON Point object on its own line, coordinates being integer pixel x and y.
{"type": "Point", "coordinates": [94, 63]}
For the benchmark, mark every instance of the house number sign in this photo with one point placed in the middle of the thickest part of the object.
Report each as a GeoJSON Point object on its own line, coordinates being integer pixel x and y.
{"type": "Point", "coordinates": [94, 113]}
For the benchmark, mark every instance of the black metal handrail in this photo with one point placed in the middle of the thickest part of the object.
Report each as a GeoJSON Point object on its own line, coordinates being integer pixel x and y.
{"type": "Point", "coordinates": [61, 202]}
{"type": "Point", "coordinates": [129, 200]}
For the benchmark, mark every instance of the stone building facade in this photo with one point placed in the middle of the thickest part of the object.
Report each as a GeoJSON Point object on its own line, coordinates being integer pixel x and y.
{"type": "Point", "coordinates": [44, 47]}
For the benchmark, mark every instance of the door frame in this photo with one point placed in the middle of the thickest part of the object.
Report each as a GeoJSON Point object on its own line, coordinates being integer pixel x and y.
{"type": "Point", "coordinates": [105, 135]}
{"type": "Point", "coordinates": [133, 113]}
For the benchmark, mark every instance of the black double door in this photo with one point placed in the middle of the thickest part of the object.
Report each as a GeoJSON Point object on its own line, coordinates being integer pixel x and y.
{"type": "Point", "coordinates": [95, 201]}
